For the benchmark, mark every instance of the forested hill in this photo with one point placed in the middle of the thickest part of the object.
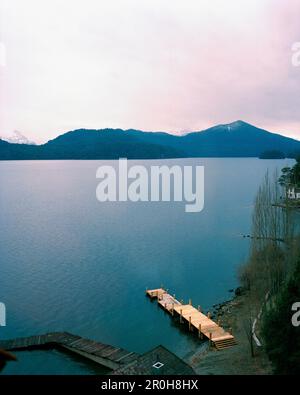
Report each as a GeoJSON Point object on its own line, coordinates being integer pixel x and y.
{"type": "Point", "coordinates": [237, 139]}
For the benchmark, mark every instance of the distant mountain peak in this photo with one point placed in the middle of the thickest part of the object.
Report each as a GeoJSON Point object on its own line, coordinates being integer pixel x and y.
{"type": "Point", "coordinates": [17, 138]}
{"type": "Point", "coordinates": [238, 127]}
{"type": "Point", "coordinates": [239, 123]}
{"type": "Point", "coordinates": [235, 124]}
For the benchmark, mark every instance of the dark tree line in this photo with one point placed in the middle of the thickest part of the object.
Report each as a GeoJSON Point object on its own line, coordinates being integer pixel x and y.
{"type": "Point", "coordinates": [272, 272]}
{"type": "Point", "coordinates": [282, 339]}
{"type": "Point", "coordinates": [291, 176]}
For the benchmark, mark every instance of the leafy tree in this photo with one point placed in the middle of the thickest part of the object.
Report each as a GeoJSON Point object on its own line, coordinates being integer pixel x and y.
{"type": "Point", "coordinates": [296, 172]}
{"type": "Point", "coordinates": [290, 175]}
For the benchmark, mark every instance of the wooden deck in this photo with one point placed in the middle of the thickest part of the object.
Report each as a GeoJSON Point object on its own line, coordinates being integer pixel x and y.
{"type": "Point", "coordinates": [196, 320]}
{"type": "Point", "coordinates": [119, 361]}
{"type": "Point", "coordinates": [103, 354]}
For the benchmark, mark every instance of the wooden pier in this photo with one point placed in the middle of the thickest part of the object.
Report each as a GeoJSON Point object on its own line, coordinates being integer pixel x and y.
{"type": "Point", "coordinates": [158, 361]}
{"type": "Point", "coordinates": [109, 356]}
{"type": "Point", "coordinates": [196, 320]}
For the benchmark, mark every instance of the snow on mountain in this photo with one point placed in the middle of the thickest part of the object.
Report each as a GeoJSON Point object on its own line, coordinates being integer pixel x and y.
{"type": "Point", "coordinates": [17, 138]}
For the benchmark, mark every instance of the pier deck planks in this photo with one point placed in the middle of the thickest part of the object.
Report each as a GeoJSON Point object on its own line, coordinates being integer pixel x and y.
{"type": "Point", "coordinates": [110, 355]}
{"type": "Point", "coordinates": [197, 321]}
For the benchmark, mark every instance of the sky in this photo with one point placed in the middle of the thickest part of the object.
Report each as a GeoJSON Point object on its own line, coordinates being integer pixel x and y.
{"type": "Point", "coordinates": [159, 65]}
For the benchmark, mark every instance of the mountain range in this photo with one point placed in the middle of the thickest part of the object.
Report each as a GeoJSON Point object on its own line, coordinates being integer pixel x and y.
{"type": "Point", "coordinates": [237, 139]}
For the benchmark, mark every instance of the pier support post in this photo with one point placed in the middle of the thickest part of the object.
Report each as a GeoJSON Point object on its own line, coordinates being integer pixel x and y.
{"type": "Point", "coordinates": [210, 337]}
{"type": "Point", "coordinates": [190, 323]}
{"type": "Point", "coordinates": [181, 316]}
{"type": "Point", "coordinates": [190, 302]}
{"type": "Point", "coordinates": [172, 311]}
{"type": "Point", "coordinates": [208, 315]}
{"type": "Point", "coordinates": [200, 334]}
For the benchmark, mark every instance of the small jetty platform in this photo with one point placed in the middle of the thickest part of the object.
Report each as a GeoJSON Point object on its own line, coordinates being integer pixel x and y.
{"type": "Point", "coordinates": [196, 320]}
{"type": "Point", "coordinates": [108, 356]}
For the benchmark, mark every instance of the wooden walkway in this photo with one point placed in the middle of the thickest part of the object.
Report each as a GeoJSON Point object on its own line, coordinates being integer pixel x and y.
{"type": "Point", "coordinates": [120, 361]}
{"type": "Point", "coordinates": [196, 320]}
{"type": "Point", "coordinates": [103, 354]}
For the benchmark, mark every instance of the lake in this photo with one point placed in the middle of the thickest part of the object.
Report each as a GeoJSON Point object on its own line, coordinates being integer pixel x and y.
{"type": "Point", "coordinates": [71, 263]}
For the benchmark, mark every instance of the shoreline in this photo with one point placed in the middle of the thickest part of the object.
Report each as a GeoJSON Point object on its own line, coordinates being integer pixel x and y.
{"type": "Point", "coordinates": [236, 360]}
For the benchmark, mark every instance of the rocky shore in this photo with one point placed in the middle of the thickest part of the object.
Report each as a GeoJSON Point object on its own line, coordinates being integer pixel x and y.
{"type": "Point", "coordinates": [221, 309]}
{"type": "Point", "coordinates": [237, 360]}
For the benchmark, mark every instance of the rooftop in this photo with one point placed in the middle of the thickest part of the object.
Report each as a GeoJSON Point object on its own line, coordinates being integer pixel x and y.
{"type": "Point", "coordinates": [158, 361]}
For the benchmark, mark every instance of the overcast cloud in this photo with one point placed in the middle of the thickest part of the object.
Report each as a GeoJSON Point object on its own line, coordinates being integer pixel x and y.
{"type": "Point", "coordinates": [147, 64]}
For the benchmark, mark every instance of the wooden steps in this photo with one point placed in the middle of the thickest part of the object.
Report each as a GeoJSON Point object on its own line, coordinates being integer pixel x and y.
{"type": "Point", "coordinates": [226, 343]}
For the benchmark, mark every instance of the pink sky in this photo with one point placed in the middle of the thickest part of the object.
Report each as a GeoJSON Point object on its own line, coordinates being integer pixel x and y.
{"type": "Point", "coordinates": [148, 64]}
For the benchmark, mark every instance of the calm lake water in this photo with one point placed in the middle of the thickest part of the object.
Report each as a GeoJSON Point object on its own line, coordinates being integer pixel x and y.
{"type": "Point", "coordinates": [70, 263]}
